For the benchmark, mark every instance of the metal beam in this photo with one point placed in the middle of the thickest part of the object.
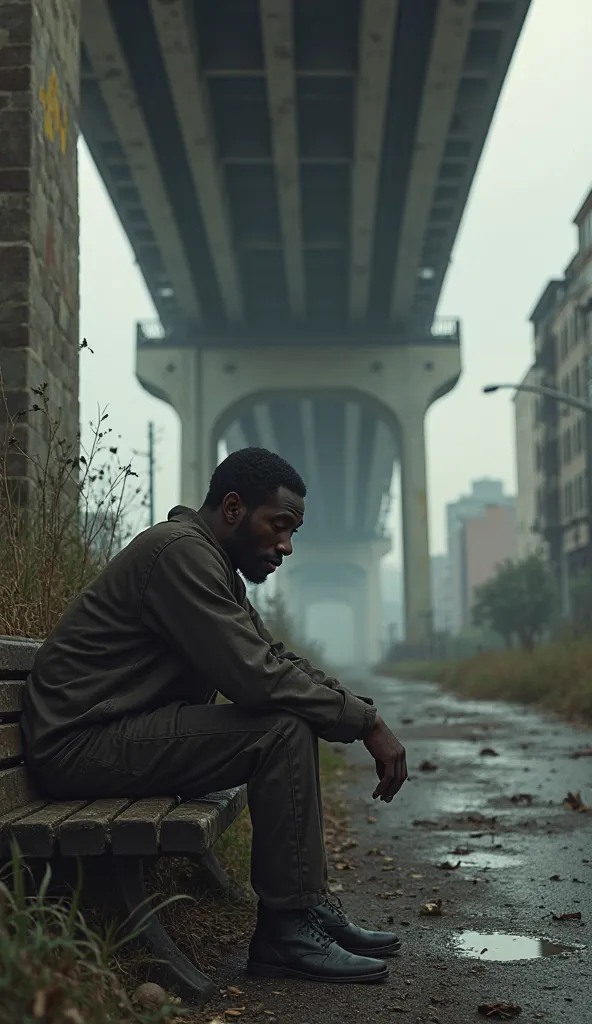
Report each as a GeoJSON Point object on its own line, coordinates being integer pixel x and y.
{"type": "Point", "coordinates": [177, 32]}
{"type": "Point", "coordinates": [447, 57]}
{"type": "Point", "coordinates": [264, 424]}
{"type": "Point", "coordinates": [377, 33]}
{"type": "Point", "coordinates": [381, 469]}
{"type": "Point", "coordinates": [235, 437]}
{"type": "Point", "coordinates": [278, 46]}
{"type": "Point", "coordinates": [352, 445]}
{"type": "Point", "coordinates": [109, 65]}
{"type": "Point", "coordinates": [311, 460]}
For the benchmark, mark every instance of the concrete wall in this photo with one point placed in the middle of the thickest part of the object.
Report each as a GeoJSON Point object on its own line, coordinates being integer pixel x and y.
{"type": "Point", "coordinates": [39, 90]}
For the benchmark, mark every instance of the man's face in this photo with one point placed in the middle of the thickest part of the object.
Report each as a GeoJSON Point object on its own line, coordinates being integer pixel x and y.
{"type": "Point", "coordinates": [262, 538]}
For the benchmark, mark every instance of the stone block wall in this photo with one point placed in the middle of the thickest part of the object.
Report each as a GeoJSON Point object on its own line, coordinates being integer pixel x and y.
{"type": "Point", "coordinates": [39, 300]}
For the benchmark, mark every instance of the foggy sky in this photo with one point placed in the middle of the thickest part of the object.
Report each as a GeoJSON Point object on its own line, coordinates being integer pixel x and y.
{"type": "Point", "coordinates": [516, 234]}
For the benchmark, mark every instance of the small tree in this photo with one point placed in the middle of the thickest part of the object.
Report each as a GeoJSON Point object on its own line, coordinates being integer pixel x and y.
{"type": "Point", "coordinates": [519, 601]}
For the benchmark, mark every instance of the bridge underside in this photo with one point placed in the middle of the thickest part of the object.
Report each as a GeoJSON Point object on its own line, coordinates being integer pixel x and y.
{"type": "Point", "coordinates": [291, 174]}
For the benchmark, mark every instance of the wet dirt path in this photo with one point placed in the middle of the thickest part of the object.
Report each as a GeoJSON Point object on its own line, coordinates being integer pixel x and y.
{"type": "Point", "coordinates": [524, 857]}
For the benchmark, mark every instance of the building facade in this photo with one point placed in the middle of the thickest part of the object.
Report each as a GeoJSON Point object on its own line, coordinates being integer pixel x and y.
{"type": "Point", "coordinates": [466, 569]}
{"type": "Point", "coordinates": [441, 594]}
{"type": "Point", "coordinates": [562, 441]}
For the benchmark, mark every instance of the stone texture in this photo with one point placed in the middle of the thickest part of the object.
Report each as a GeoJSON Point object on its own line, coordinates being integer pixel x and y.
{"type": "Point", "coordinates": [16, 656]}
{"type": "Point", "coordinates": [39, 96]}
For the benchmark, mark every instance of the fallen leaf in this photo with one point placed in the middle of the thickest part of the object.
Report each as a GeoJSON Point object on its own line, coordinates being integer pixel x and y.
{"type": "Point", "coordinates": [412, 875]}
{"type": "Point", "coordinates": [343, 865]}
{"type": "Point", "coordinates": [461, 851]}
{"type": "Point", "coordinates": [499, 1011]}
{"type": "Point", "coordinates": [577, 916]}
{"type": "Point", "coordinates": [555, 878]}
{"type": "Point", "coordinates": [447, 866]}
{"type": "Point", "coordinates": [234, 991]}
{"type": "Point", "coordinates": [489, 752]}
{"type": "Point", "coordinates": [150, 994]}
{"type": "Point", "coordinates": [338, 887]}
{"type": "Point", "coordinates": [405, 923]}
{"type": "Point", "coordinates": [433, 908]}
{"type": "Point", "coordinates": [522, 798]}
{"type": "Point", "coordinates": [575, 802]}
{"type": "Point", "coordinates": [235, 1012]}
{"type": "Point", "coordinates": [428, 766]}
{"type": "Point", "coordinates": [581, 753]}
{"type": "Point", "coordinates": [371, 820]}
{"type": "Point", "coordinates": [407, 721]}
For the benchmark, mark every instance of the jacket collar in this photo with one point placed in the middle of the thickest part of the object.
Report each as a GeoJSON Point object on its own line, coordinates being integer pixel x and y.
{"type": "Point", "coordinates": [184, 514]}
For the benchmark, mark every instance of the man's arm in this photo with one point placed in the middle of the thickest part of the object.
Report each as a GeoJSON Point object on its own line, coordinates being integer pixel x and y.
{"type": "Point", "coordinates": [315, 674]}
{"type": "Point", "coordinates": [189, 603]}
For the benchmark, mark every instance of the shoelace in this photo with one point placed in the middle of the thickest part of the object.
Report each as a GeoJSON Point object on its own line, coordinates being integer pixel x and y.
{"type": "Point", "coordinates": [335, 903]}
{"type": "Point", "coordinates": [310, 925]}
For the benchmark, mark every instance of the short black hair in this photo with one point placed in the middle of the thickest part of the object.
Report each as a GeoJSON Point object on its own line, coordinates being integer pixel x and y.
{"type": "Point", "coordinates": [255, 474]}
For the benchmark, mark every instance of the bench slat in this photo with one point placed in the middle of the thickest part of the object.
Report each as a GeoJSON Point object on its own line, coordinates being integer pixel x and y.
{"type": "Point", "coordinates": [11, 698]}
{"type": "Point", "coordinates": [7, 820]}
{"type": "Point", "coordinates": [16, 656]}
{"type": "Point", "coordinates": [196, 825]}
{"type": "Point", "coordinates": [37, 833]}
{"type": "Point", "coordinates": [11, 744]}
{"type": "Point", "coordinates": [88, 831]}
{"type": "Point", "coordinates": [136, 831]}
{"type": "Point", "coordinates": [16, 789]}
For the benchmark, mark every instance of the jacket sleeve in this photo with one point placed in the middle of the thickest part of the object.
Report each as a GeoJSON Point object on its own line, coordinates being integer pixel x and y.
{"type": "Point", "coordinates": [315, 674]}
{"type": "Point", "coordinates": [188, 601]}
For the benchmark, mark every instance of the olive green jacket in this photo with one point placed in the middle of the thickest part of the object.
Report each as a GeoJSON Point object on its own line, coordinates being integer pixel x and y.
{"type": "Point", "coordinates": [168, 619]}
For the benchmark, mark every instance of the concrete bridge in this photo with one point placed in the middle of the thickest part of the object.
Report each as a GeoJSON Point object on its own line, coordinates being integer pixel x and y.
{"type": "Point", "coordinates": [291, 175]}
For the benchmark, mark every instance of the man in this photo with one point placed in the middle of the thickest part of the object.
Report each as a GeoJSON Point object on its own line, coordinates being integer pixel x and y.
{"type": "Point", "coordinates": [121, 702]}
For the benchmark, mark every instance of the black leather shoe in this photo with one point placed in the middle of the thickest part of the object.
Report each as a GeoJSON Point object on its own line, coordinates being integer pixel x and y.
{"type": "Point", "coordinates": [350, 937]}
{"type": "Point", "coordinates": [293, 944]}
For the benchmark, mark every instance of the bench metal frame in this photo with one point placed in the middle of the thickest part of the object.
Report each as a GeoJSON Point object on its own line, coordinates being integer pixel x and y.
{"type": "Point", "coordinates": [126, 832]}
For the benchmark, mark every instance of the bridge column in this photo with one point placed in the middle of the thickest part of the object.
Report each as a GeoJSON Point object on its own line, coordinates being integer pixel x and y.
{"type": "Point", "coordinates": [40, 61]}
{"type": "Point", "coordinates": [344, 573]}
{"type": "Point", "coordinates": [210, 387]}
{"type": "Point", "coordinates": [416, 552]}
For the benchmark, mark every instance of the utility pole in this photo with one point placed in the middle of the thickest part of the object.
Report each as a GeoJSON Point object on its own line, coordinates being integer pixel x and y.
{"type": "Point", "coordinates": [151, 473]}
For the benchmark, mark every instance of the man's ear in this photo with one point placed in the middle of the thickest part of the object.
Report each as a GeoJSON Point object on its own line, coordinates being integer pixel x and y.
{"type": "Point", "coordinates": [233, 508]}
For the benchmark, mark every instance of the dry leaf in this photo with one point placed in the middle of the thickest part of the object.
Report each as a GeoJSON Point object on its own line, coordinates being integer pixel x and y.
{"type": "Point", "coordinates": [489, 752]}
{"type": "Point", "coordinates": [235, 1012]}
{"type": "Point", "coordinates": [581, 753]}
{"type": "Point", "coordinates": [336, 888]}
{"type": "Point", "coordinates": [499, 1011]}
{"type": "Point", "coordinates": [575, 802]}
{"type": "Point", "coordinates": [447, 866]}
{"type": "Point", "coordinates": [461, 851]}
{"type": "Point", "coordinates": [522, 798]}
{"type": "Point", "coordinates": [371, 820]}
{"type": "Point", "coordinates": [433, 908]}
{"type": "Point", "coordinates": [428, 766]}
{"type": "Point", "coordinates": [412, 875]}
{"type": "Point", "coordinates": [234, 991]}
{"type": "Point", "coordinates": [576, 916]}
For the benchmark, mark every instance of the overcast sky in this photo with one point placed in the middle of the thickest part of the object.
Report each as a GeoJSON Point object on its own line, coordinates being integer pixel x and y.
{"type": "Point", "coordinates": [517, 232]}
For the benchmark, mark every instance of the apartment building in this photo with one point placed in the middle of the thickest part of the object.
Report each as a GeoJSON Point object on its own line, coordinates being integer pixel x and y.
{"type": "Point", "coordinates": [562, 435]}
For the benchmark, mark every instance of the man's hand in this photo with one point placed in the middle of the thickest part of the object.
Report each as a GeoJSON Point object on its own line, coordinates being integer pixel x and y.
{"type": "Point", "coordinates": [390, 757]}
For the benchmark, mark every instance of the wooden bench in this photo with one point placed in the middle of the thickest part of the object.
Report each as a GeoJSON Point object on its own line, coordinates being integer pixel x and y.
{"type": "Point", "coordinates": [128, 832]}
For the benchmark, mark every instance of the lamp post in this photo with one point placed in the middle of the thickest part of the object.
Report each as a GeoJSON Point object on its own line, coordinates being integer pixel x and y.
{"type": "Point", "coordinates": [585, 407]}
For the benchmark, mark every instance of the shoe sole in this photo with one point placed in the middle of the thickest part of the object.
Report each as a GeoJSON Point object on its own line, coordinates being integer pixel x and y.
{"type": "Point", "coordinates": [267, 971]}
{"type": "Point", "coordinates": [383, 951]}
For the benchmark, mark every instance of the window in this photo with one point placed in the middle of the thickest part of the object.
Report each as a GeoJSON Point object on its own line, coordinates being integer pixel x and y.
{"type": "Point", "coordinates": [565, 389]}
{"type": "Point", "coordinates": [580, 486]}
{"type": "Point", "coordinates": [578, 439]}
{"type": "Point", "coordinates": [567, 446]}
{"type": "Point", "coordinates": [575, 382]}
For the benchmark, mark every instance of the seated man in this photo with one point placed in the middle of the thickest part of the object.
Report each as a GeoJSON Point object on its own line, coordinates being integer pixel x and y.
{"type": "Point", "coordinates": [121, 702]}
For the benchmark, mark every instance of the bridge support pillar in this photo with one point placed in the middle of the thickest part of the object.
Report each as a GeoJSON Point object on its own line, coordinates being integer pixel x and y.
{"type": "Point", "coordinates": [39, 55]}
{"type": "Point", "coordinates": [212, 387]}
{"type": "Point", "coordinates": [348, 574]}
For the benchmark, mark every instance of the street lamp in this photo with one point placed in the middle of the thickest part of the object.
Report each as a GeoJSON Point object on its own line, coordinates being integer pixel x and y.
{"type": "Point", "coordinates": [540, 389]}
{"type": "Point", "coordinates": [583, 406]}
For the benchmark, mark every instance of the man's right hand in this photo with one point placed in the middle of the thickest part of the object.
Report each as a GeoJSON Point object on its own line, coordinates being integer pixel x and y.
{"type": "Point", "coordinates": [390, 757]}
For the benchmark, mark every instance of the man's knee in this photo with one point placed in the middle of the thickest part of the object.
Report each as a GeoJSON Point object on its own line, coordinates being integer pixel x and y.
{"type": "Point", "coordinates": [295, 731]}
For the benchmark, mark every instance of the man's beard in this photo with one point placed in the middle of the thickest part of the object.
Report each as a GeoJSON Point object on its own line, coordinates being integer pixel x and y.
{"type": "Point", "coordinates": [242, 555]}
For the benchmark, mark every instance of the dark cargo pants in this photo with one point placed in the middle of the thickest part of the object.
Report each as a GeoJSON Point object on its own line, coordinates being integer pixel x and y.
{"type": "Point", "coordinates": [191, 750]}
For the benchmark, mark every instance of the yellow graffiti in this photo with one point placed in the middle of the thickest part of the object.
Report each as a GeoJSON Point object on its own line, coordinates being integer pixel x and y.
{"type": "Point", "coordinates": [56, 113]}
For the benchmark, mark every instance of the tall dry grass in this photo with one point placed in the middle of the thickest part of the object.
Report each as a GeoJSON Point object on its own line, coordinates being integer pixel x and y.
{"type": "Point", "coordinates": [556, 676]}
{"type": "Point", "coordinates": [76, 513]}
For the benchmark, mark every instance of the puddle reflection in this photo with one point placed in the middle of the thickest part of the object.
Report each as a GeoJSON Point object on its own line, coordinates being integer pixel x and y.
{"type": "Point", "coordinates": [497, 946]}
